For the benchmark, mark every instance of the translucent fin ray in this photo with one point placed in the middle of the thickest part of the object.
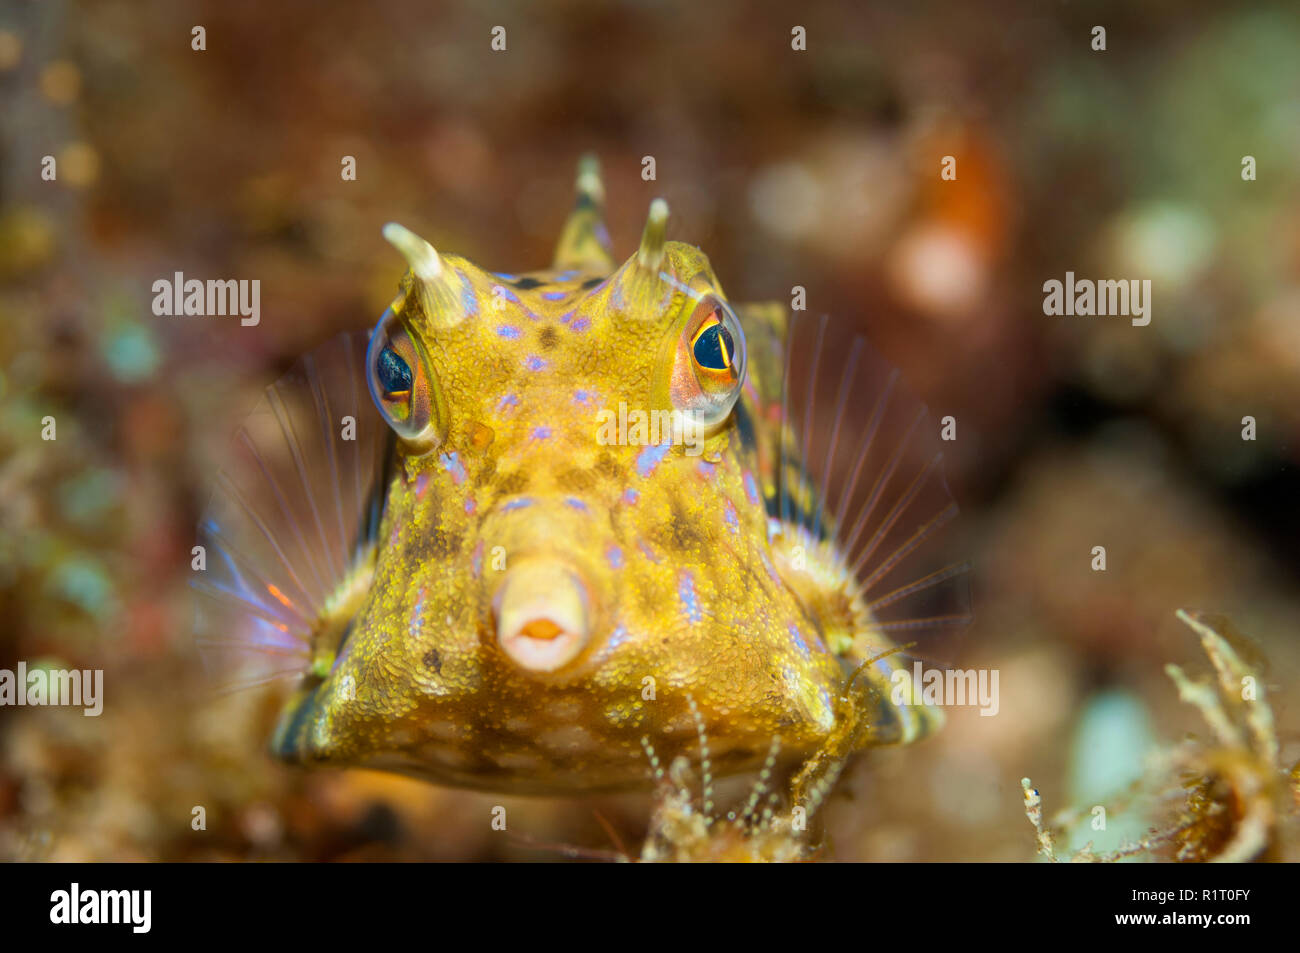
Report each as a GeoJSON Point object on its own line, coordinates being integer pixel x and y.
{"type": "Point", "coordinates": [860, 469]}
{"type": "Point", "coordinates": [292, 517]}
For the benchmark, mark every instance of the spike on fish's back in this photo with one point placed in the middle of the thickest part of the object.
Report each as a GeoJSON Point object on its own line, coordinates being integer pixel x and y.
{"type": "Point", "coordinates": [584, 243]}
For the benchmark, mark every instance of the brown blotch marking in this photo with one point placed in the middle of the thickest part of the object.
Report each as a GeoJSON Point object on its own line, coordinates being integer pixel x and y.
{"type": "Point", "coordinates": [486, 472]}
{"type": "Point", "coordinates": [606, 465]}
{"type": "Point", "coordinates": [436, 543]}
{"type": "Point", "coordinates": [432, 660]}
{"type": "Point", "coordinates": [513, 483]}
{"type": "Point", "coordinates": [576, 479]}
{"type": "Point", "coordinates": [548, 338]}
{"type": "Point", "coordinates": [679, 533]}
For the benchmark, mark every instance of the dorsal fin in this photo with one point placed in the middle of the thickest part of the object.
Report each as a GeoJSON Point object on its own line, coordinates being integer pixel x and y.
{"type": "Point", "coordinates": [584, 243]}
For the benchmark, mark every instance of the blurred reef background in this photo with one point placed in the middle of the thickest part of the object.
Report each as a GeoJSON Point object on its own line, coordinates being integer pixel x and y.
{"type": "Point", "coordinates": [817, 168]}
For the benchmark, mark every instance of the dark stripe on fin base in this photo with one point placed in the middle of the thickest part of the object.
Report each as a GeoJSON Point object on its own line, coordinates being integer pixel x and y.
{"type": "Point", "coordinates": [860, 463]}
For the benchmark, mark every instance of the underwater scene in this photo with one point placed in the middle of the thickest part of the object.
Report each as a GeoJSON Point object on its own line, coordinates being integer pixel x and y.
{"type": "Point", "coordinates": [631, 431]}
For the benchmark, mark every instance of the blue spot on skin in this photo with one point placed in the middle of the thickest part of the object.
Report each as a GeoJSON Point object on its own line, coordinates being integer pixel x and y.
{"type": "Point", "coordinates": [566, 317]}
{"type": "Point", "coordinates": [751, 491]}
{"type": "Point", "coordinates": [614, 555]}
{"type": "Point", "coordinates": [501, 291]}
{"type": "Point", "coordinates": [800, 644]}
{"type": "Point", "coordinates": [729, 514]}
{"type": "Point", "coordinates": [510, 400]}
{"type": "Point", "coordinates": [416, 623]}
{"type": "Point", "coordinates": [471, 505]}
{"type": "Point", "coordinates": [617, 637]}
{"type": "Point", "coordinates": [508, 331]}
{"type": "Point", "coordinates": [554, 295]}
{"type": "Point", "coordinates": [504, 276]}
{"type": "Point", "coordinates": [647, 552]}
{"type": "Point", "coordinates": [584, 397]}
{"type": "Point", "coordinates": [566, 275]}
{"type": "Point", "coordinates": [468, 300]}
{"type": "Point", "coordinates": [541, 433]}
{"type": "Point", "coordinates": [451, 463]}
{"type": "Point", "coordinates": [534, 363]}
{"type": "Point", "coordinates": [580, 324]}
{"type": "Point", "coordinates": [575, 503]}
{"type": "Point", "coordinates": [631, 495]}
{"type": "Point", "coordinates": [650, 457]}
{"type": "Point", "coordinates": [690, 600]}
{"type": "Point", "coordinates": [518, 504]}
{"type": "Point", "coordinates": [706, 469]}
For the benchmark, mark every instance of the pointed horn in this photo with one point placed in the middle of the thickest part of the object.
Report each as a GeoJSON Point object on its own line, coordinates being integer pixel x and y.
{"type": "Point", "coordinates": [419, 254]}
{"type": "Point", "coordinates": [584, 241]}
{"type": "Point", "coordinates": [640, 288]}
{"type": "Point", "coordinates": [433, 282]}
{"type": "Point", "coordinates": [650, 256]}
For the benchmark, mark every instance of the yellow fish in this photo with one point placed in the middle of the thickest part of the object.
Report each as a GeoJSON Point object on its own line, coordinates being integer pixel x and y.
{"type": "Point", "coordinates": [584, 514]}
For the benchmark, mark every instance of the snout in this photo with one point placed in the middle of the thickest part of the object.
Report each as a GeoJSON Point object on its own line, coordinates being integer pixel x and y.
{"type": "Point", "coordinates": [543, 614]}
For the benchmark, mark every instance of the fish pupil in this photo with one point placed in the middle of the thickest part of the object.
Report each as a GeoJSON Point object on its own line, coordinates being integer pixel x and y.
{"type": "Point", "coordinates": [713, 348]}
{"type": "Point", "coordinates": [394, 373]}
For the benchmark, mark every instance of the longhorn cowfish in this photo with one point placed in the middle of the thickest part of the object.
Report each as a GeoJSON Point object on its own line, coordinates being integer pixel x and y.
{"type": "Point", "coordinates": [532, 527]}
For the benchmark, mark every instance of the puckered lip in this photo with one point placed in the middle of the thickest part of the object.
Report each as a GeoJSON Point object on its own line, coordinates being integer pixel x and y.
{"type": "Point", "coordinates": [543, 617]}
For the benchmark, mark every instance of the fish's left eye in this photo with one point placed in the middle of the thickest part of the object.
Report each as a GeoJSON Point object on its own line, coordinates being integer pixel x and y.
{"type": "Point", "coordinates": [713, 347]}
{"type": "Point", "coordinates": [403, 386]}
{"type": "Point", "coordinates": [708, 362]}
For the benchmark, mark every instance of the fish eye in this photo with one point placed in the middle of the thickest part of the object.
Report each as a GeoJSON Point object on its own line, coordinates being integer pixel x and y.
{"type": "Point", "coordinates": [714, 347]}
{"type": "Point", "coordinates": [709, 362]}
{"type": "Point", "coordinates": [394, 373]}
{"type": "Point", "coordinates": [402, 385]}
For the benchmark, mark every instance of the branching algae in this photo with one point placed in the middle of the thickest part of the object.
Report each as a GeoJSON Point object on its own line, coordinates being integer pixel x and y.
{"type": "Point", "coordinates": [1225, 798]}
{"type": "Point", "coordinates": [593, 520]}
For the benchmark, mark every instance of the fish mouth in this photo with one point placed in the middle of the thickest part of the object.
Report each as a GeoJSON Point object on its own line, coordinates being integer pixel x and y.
{"type": "Point", "coordinates": [543, 615]}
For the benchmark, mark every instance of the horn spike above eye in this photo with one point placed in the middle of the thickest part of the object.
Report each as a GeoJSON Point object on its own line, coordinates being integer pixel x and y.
{"type": "Point", "coordinates": [584, 242]}
{"type": "Point", "coordinates": [651, 253]}
{"type": "Point", "coordinates": [436, 285]}
{"type": "Point", "coordinates": [420, 255]}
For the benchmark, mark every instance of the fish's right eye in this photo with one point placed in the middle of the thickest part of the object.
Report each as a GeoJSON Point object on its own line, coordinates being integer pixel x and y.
{"type": "Point", "coordinates": [402, 385]}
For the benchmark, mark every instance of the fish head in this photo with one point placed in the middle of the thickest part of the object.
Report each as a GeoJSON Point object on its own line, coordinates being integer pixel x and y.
{"type": "Point", "coordinates": [555, 532]}
{"type": "Point", "coordinates": [573, 565]}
